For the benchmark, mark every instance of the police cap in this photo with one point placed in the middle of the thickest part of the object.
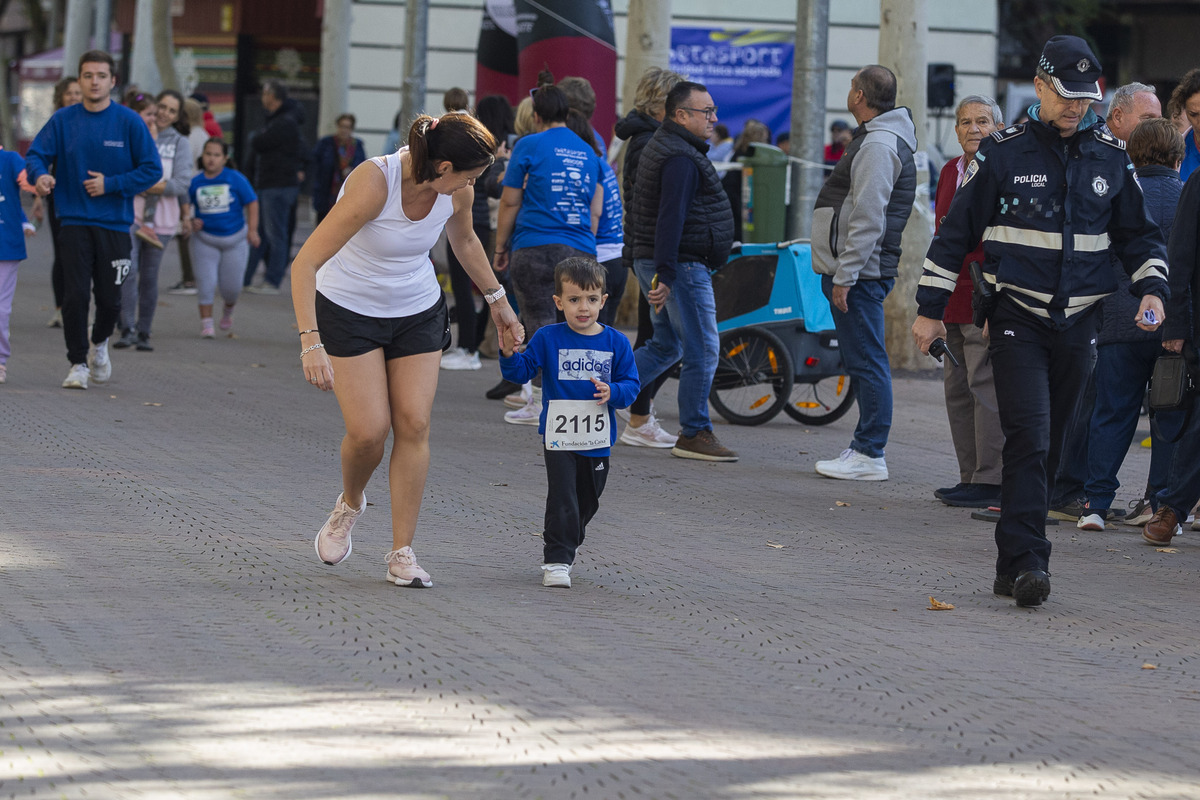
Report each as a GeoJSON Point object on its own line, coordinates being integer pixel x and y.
{"type": "Point", "coordinates": [1073, 68]}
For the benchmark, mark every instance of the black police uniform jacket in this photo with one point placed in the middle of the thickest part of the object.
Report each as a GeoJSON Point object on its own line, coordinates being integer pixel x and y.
{"type": "Point", "coordinates": [1047, 209]}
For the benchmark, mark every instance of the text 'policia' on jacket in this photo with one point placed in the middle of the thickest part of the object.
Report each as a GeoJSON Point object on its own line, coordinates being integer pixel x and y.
{"type": "Point", "coordinates": [708, 229]}
{"type": "Point", "coordinates": [1047, 208]}
{"type": "Point", "coordinates": [870, 190]}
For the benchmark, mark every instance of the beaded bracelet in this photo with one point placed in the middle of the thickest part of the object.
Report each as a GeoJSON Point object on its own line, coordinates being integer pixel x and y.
{"type": "Point", "coordinates": [310, 348]}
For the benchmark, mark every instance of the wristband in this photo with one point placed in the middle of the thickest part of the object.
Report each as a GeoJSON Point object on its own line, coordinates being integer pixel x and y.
{"type": "Point", "coordinates": [494, 296]}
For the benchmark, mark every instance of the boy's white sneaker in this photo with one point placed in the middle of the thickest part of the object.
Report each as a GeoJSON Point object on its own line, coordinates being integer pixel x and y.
{"type": "Point", "coordinates": [852, 465]}
{"type": "Point", "coordinates": [1091, 522]}
{"type": "Point", "coordinates": [77, 378]}
{"type": "Point", "coordinates": [99, 363]}
{"type": "Point", "coordinates": [558, 575]}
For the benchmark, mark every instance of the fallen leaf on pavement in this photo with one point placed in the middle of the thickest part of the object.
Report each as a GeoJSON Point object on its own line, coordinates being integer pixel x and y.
{"type": "Point", "coordinates": [842, 503]}
{"type": "Point", "coordinates": [1148, 665]}
{"type": "Point", "coordinates": [938, 605]}
{"type": "Point", "coordinates": [152, 404]}
{"type": "Point", "coordinates": [1166, 550]}
{"type": "Point", "coordinates": [776, 546]}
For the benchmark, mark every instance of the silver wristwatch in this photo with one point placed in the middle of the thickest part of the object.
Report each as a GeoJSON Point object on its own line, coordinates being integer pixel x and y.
{"type": "Point", "coordinates": [494, 296]}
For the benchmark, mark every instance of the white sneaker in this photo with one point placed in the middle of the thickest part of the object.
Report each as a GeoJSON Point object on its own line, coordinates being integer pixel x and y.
{"type": "Point", "coordinates": [99, 363]}
{"type": "Point", "coordinates": [459, 359]}
{"type": "Point", "coordinates": [519, 399]}
{"type": "Point", "coordinates": [77, 378]}
{"type": "Point", "coordinates": [852, 465]}
{"type": "Point", "coordinates": [556, 575]}
{"type": "Point", "coordinates": [649, 435]}
{"type": "Point", "coordinates": [56, 320]}
{"type": "Point", "coordinates": [530, 413]}
{"type": "Point", "coordinates": [1091, 522]}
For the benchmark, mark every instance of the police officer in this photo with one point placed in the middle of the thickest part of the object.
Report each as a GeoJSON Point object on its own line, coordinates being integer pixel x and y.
{"type": "Point", "coordinates": [1047, 199]}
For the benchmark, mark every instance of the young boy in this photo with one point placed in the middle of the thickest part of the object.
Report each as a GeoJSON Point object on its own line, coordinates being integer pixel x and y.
{"type": "Point", "coordinates": [587, 371]}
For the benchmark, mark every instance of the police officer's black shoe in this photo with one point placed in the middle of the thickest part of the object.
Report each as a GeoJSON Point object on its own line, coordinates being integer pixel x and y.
{"type": "Point", "coordinates": [1002, 586]}
{"type": "Point", "coordinates": [1031, 587]}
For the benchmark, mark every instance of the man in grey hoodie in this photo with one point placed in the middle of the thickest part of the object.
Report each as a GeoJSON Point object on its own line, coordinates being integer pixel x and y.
{"type": "Point", "coordinates": [857, 223]}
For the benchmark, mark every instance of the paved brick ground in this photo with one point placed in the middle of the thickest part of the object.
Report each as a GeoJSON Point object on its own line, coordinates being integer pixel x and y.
{"type": "Point", "coordinates": [167, 631]}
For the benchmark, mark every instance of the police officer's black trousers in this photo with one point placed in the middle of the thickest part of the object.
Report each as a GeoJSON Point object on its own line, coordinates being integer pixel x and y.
{"type": "Point", "coordinates": [1040, 373]}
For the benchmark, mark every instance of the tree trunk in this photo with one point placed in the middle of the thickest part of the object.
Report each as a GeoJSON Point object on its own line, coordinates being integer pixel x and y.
{"type": "Point", "coordinates": [164, 45]}
{"type": "Point", "coordinates": [808, 113]}
{"type": "Point", "coordinates": [412, 89]}
{"type": "Point", "coordinates": [647, 43]}
{"type": "Point", "coordinates": [903, 29]}
{"type": "Point", "coordinates": [76, 35]}
{"type": "Point", "coordinates": [335, 63]}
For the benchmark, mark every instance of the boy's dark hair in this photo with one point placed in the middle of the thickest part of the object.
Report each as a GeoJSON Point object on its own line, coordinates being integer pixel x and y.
{"type": "Point", "coordinates": [98, 57]}
{"type": "Point", "coordinates": [584, 272]}
{"type": "Point", "coordinates": [456, 99]}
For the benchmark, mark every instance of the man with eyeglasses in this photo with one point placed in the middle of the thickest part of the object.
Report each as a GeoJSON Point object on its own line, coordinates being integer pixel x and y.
{"type": "Point", "coordinates": [1047, 199]}
{"type": "Point", "coordinates": [682, 228]}
{"type": "Point", "coordinates": [857, 223]}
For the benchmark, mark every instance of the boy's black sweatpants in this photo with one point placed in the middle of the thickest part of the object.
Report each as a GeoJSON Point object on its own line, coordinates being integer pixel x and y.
{"type": "Point", "coordinates": [575, 483]}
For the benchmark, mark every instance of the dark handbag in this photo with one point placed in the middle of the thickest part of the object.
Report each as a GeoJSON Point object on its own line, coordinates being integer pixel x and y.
{"type": "Point", "coordinates": [1172, 388]}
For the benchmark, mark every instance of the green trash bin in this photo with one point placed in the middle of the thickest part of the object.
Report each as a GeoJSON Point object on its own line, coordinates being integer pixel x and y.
{"type": "Point", "coordinates": [764, 194]}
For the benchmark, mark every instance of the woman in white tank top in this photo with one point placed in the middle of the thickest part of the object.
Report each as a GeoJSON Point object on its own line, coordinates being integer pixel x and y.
{"type": "Point", "coordinates": [365, 278]}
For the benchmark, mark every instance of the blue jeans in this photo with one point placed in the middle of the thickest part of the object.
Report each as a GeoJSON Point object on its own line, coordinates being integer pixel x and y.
{"type": "Point", "coordinates": [1122, 371]}
{"type": "Point", "coordinates": [685, 327]}
{"type": "Point", "coordinates": [275, 206]}
{"type": "Point", "coordinates": [860, 339]}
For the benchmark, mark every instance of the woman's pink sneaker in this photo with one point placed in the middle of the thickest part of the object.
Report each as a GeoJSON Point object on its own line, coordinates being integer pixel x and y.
{"type": "Point", "coordinates": [333, 543]}
{"type": "Point", "coordinates": [226, 319]}
{"type": "Point", "coordinates": [403, 569]}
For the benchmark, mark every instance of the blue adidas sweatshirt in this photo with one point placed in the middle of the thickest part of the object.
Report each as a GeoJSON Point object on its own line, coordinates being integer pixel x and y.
{"type": "Point", "coordinates": [114, 142]}
{"type": "Point", "coordinates": [568, 361]}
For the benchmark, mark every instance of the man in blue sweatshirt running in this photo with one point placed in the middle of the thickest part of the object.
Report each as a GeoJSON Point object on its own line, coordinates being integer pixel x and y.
{"type": "Point", "coordinates": [103, 155]}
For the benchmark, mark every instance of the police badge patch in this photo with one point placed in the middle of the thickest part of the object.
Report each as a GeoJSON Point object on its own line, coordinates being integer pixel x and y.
{"type": "Point", "coordinates": [1099, 186]}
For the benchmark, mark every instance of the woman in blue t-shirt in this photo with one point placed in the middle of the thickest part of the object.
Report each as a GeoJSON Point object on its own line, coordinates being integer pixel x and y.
{"type": "Point", "coordinates": [222, 238]}
{"type": "Point", "coordinates": [549, 210]}
{"type": "Point", "coordinates": [610, 235]}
